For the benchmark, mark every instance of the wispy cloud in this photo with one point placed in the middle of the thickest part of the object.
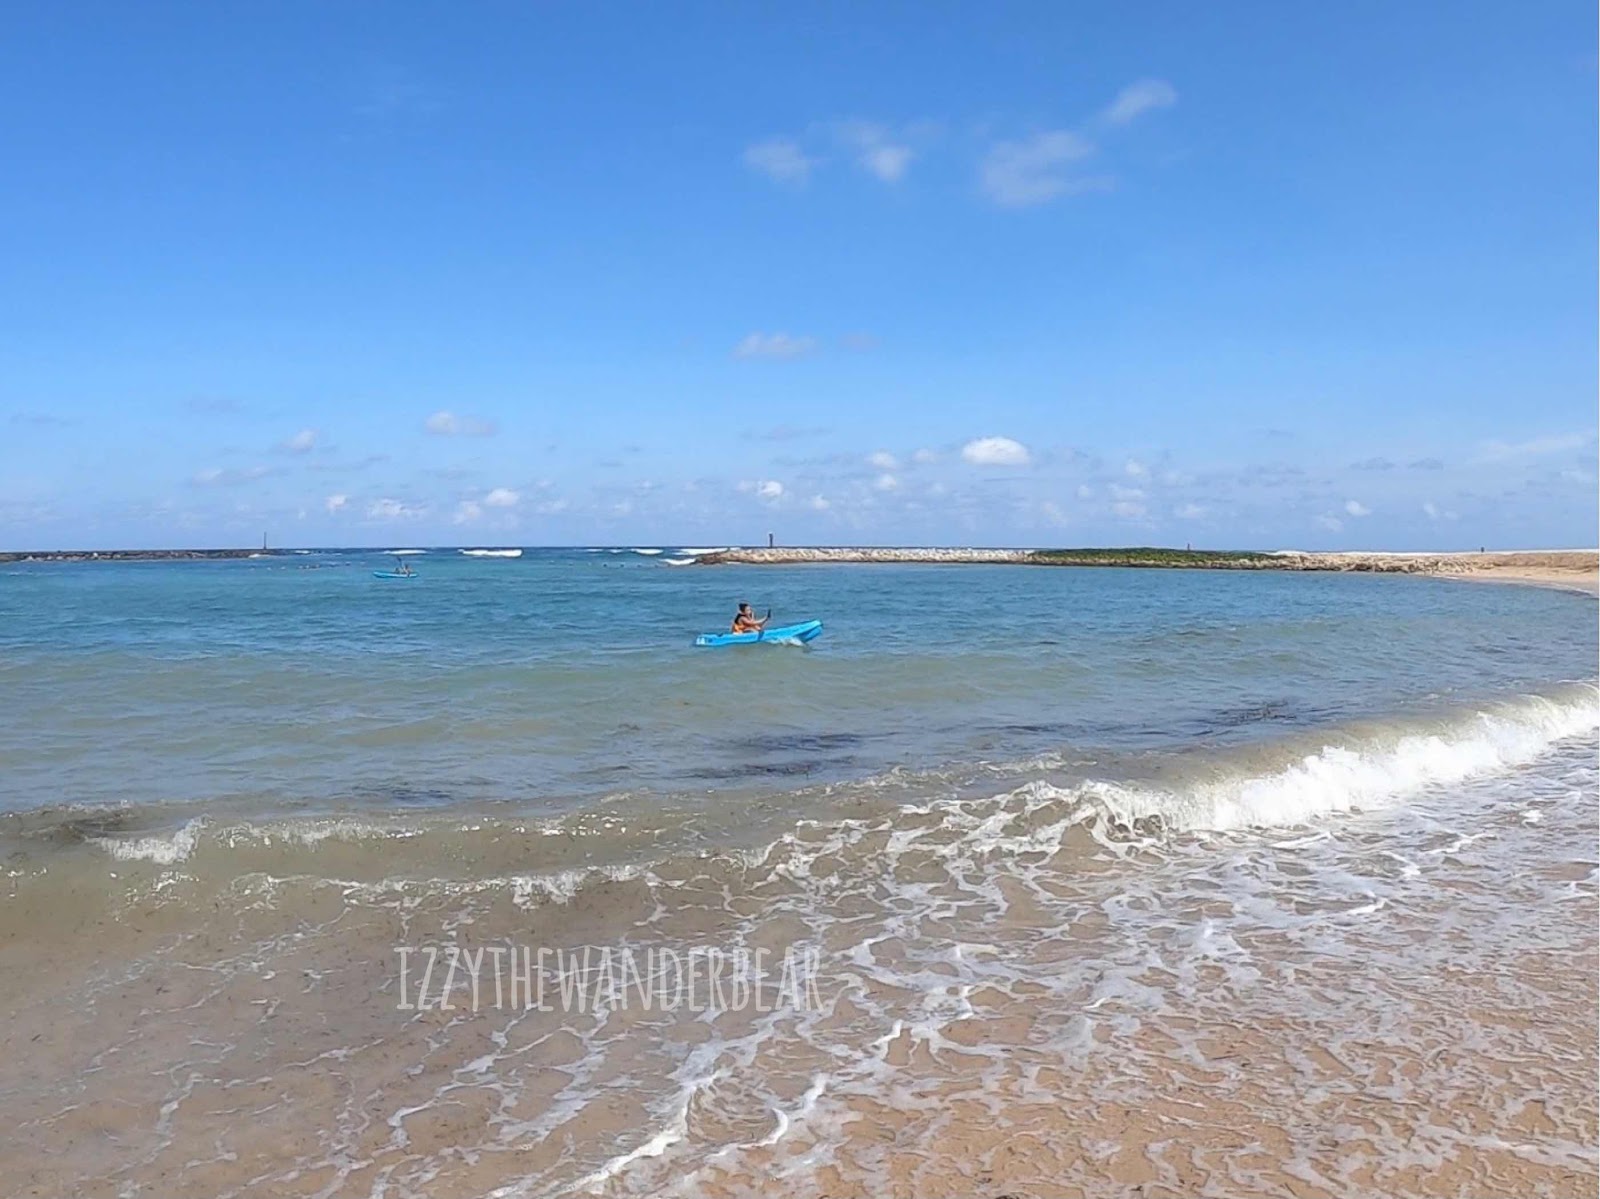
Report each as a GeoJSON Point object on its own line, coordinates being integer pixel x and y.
{"type": "Point", "coordinates": [345, 467]}
{"type": "Point", "coordinates": [780, 159]}
{"type": "Point", "coordinates": [996, 451]}
{"type": "Point", "coordinates": [215, 406]}
{"type": "Point", "coordinates": [502, 497]}
{"type": "Point", "coordinates": [788, 433]}
{"type": "Point", "coordinates": [39, 420]}
{"type": "Point", "coordinates": [1536, 447]}
{"type": "Point", "coordinates": [447, 424]}
{"type": "Point", "coordinates": [876, 150]}
{"type": "Point", "coordinates": [774, 345]}
{"type": "Point", "coordinates": [336, 502]}
{"type": "Point", "coordinates": [1018, 174]}
{"type": "Point", "coordinates": [1357, 508]}
{"type": "Point", "coordinates": [302, 442]}
{"type": "Point", "coordinates": [387, 91]}
{"type": "Point", "coordinates": [1136, 99]}
{"type": "Point", "coordinates": [765, 489]}
{"type": "Point", "coordinates": [217, 476]}
{"type": "Point", "coordinates": [392, 509]}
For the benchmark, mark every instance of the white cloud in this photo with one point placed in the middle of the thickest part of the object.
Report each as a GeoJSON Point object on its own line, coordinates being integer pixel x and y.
{"type": "Point", "coordinates": [1434, 512]}
{"type": "Point", "coordinates": [467, 512]}
{"type": "Point", "coordinates": [447, 424]}
{"type": "Point", "coordinates": [302, 442]}
{"type": "Point", "coordinates": [883, 460]}
{"type": "Point", "coordinates": [1021, 173]}
{"type": "Point", "coordinates": [335, 503]}
{"type": "Point", "coordinates": [1139, 98]}
{"type": "Point", "coordinates": [1118, 491]}
{"type": "Point", "coordinates": [1128, 508]}
{"type": "Point", "coordinates": [502, 497]}
{"type": "Point", "coordinates": [888, 163]}
{"type": "Point", "coordinates": [1053, 513]}
{"type": "Point", "coordinates": [1357, 508]}
{"type": "Point", "coordinates": [774, 345]}
{"type": "Point", "coordinates": [1332, 523]}
{"type": "Point", "coordinates": [923, 457]}
{"type": "Point", "coordinates": [551, 507]}
{"type": "Point", "coordinates": [216, 476]}
{"type": "Point", "coordinates": [995, 451]}
{"type": "Point", "coordinates": [388, 509]}
{"type": "Point", "coordinates": [766, 489]}
{"type": "Point", "coordinates": [819, 503]}
{"type": "Point", "coordinates": [1085, 491]}
{"type": "Point", "coordinates": [875, 150]}
{"type": "Point", "coordinates": [780, 159]}
{"type": "Point", "coordinates": [1537, 447]}
{"type": "Point", "coordinates": [1189, 512]}
{"type": "Point", "coordinates": [1136, 468]}
{"type": "Point", "coordinates": [886, 482]}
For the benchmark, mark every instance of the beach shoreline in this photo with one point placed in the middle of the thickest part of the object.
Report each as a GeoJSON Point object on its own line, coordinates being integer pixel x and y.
{"type": "Point", "coordinates": [1571, 569]}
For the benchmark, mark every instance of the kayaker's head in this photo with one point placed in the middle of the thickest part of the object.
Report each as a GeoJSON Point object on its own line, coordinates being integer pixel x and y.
{"type": "Point", "coordinates": [744, 608]}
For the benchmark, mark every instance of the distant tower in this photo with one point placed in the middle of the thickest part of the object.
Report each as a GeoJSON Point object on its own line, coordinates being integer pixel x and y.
{"type": "Point", "coordinates": [263, 542]}
{"type": "Point", "coordinates": [770, 541]}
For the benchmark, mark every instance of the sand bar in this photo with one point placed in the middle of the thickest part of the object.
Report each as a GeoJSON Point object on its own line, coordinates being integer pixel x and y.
{"type": "Point", "coordinates": [1561, 568]}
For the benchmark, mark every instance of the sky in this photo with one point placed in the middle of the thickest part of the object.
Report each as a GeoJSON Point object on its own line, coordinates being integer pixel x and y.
{"type": "Point", "coordinates": [1237, 275]}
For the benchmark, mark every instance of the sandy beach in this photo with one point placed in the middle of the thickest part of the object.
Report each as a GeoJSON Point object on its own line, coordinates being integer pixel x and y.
{"type": "Point", "coordinates": [1573, 569]}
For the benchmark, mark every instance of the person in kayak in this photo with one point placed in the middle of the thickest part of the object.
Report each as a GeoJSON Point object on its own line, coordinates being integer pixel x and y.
{"type": "Point", "coordinates": [402, 567]}
{"type": "Point", "coordinates": [745, 621]}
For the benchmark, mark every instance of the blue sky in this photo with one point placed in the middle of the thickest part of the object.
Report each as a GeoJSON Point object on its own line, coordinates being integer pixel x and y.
{"type": "Point", "coordinates": [1252, 275]}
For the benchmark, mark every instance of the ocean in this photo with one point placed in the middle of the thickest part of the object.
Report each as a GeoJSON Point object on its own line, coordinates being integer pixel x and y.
{"type": "Point", "coordinates": [1201, 882]}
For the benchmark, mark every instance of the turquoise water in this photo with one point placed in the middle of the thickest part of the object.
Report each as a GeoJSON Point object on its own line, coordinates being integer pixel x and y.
{"type": "Point", "coordinates": [301, 683]}
{"type": "Point", "coordinates": [1066, 845]}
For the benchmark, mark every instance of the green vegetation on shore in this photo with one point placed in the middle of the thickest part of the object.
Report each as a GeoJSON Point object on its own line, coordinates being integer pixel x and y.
{"type": "Point", "coordinates": [1154, 556]}
{"type": "Point", "coordinates": [125, 555]}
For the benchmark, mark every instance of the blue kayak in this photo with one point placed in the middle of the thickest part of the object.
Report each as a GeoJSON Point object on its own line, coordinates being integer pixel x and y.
{"type": "Point", "coordinates": [789, 633]}
{"type": "Point", "coordinates": [392, 574]}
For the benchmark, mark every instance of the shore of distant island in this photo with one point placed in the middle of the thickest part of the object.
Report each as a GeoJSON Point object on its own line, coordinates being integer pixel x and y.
{"type": "Point", "coordinates": [1563, 568]}
{"type": "Point", "coordinates": [127, 555]}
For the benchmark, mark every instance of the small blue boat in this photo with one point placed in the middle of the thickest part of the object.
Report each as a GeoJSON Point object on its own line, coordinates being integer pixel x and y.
{"type": "Point", "coordinates": [786, 635]}
{"type": "Point", "coordinates": [402, 570]}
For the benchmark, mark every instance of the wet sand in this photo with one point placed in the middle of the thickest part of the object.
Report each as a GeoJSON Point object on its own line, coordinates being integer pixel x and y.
{"type": "Point", "coordinates": [1585, 581]}
{"type": "Point", "coordinates": [1397, 1005]}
